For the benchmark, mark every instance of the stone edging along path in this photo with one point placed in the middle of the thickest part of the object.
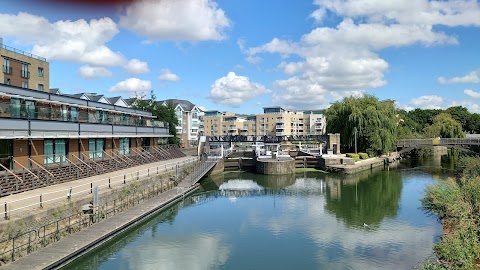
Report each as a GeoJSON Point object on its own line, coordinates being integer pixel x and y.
{"type": "Point", "coordinates": [60, 253]}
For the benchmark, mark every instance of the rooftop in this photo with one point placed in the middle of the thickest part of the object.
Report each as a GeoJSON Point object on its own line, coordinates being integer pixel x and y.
{"type": "Point", "coordinates": [3, 46]}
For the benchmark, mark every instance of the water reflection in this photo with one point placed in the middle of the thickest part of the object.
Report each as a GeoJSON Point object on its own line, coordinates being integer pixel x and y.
{"type": "Point", "coordinates": [366, 200]}
{"type": "Point", "coordinates": [306, 221]}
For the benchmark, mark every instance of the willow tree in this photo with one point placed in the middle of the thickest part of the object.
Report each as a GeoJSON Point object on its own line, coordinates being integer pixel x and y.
{"type": "Point", "coordinates": [372, 122]}
{"type": "Point", "coordinates": [444, 126]}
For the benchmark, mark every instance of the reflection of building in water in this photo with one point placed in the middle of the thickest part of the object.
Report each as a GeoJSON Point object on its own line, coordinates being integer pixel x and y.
{"type": "Point", "coordinates": [276, 181]}
{"type": "Point", "coordinates": [335, 187]}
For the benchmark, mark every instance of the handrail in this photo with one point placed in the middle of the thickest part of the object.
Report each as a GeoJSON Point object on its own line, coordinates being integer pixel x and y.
{"type": "Point", "coordinates": [117, 155]}
{"type": "Point", "coordinates": [111, 157]}
{"type": "Point", "coordinates": [166, 167]}
{"type": "Point", "coordinates": [125, 157]}
{"type": "Point", "coordinates": [34, 175]}
{"type": "Point", "coordinates": [91, 160]}
{"type": "Point", "coordinates": [78, 167]}
{"type": "Point", "coordinates": [139, 154]}
{"type": "Point", "coordinates": [84, 163]}
{"type": "Point", "coordinates": [147, 153]}
{"type": "Point", "coordinates": [12, 173]}
{"type": "Point", "coordinates": [41, 167]}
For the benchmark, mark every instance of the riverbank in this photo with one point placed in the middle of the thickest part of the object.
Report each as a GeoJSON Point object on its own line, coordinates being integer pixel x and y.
{"type": "Point", "coordinates": [67, 249]}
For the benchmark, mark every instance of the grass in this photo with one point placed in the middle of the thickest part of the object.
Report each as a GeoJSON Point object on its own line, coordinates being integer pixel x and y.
{"type": "Point", "coordinates": [456, 202]}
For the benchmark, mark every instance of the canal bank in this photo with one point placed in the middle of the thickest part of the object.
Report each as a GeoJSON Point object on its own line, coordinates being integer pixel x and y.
{"type": "Point", "coordinates": [69, 248]}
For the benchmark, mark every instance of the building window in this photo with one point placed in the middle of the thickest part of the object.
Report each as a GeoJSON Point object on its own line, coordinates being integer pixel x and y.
{"type": "Point", "coordinates": [24, 84]}
{"type": "Point", "coordinates": [40, 72]}
{"type": "Point", "coordinates": [96, 148]}
{"type": "Point", "coordinates": [54, 151]}
{"type": "Point", "coordinates": [7, 68]}
{"type": "Point", "coordinates": [124, 147]}
{"type": "Point", "coordinates": [40, 87]}
{"type": "Point", "coordinates": [25, 73]}
{"type": "Point", "coordinates": [7, 81]}
{"type": "Point", "coordinates": [73, 114]}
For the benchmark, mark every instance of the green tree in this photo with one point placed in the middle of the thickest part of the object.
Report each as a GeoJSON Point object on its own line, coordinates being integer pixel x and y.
{"type": "Point", "coordinates": [444, 126]}
{"type": "Point", "coordinates": [373, 122]}
{"type": "Point", "coordinates": [461, 115]}
{"type": "Point", "coordinates": [161, 112]}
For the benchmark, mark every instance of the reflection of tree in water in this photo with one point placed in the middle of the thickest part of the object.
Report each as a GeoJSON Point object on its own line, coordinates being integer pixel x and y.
{"type": "Point", "coordinates": [368, 201]}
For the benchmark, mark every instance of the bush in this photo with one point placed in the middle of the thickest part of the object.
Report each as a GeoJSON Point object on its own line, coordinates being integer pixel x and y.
{"type": "Point", "coordinates": [356, 157]}
{"type": "Point", "coordinates": [363, 155]}
{"type": "Point", "coordinates": [457, 204]}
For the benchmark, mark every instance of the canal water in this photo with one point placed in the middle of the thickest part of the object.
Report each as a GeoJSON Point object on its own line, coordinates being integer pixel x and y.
{"type": "Point", "coordinates": [309, 220]}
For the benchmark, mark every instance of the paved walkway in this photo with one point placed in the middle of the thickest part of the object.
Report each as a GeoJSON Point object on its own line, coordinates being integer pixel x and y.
{"type": "Point", "coordinates": [21, 204]}
{"type": "Point", "coordinates": [66, 249]}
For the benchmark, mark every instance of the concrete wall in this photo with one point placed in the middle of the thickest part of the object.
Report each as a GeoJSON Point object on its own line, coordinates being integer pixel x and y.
{"type": "Point", "coordinates": [272, 166]}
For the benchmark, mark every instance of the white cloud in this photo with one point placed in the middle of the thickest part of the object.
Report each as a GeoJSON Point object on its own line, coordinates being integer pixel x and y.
{"type": "Point", "coordinates": [233, 90]}
{"type": "Point", "coordinates": [253, 59]}
{"type": "Point", "coordinates": [419, 12]}
{"type": "Point", "coordinates": [136, 66]}
{"type": "Point", "coordinates": [339, 61]}
{"type": "Point", "coordinates": [132, 86]}
{"type": "Point", "coordinates": [471, 93]}
{"type": "Point", "coordinates": [88, 72]}
{"type": "Point", "coordinates": [167, 75]}
{"type": "Point", "coordinates": [428, 102]}
{"type": "Point", "coordinates": [181, 20]}
{"type": "Point", "coordinates": [472, 77]}
{"type": "Point", "coordinates": [77, 41]}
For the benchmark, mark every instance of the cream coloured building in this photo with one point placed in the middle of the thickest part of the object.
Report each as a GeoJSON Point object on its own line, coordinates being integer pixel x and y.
{"type": "Point", "coordinates": [274, 121]}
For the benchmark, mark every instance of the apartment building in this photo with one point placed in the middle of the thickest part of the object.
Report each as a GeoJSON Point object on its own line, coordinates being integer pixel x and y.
{"type": "Point", "coordinates": [23, 69]}
{"type": "Point", "coordinates": [40, 126]}
{"type": "Point", "coordinates": [190, 121]}
{"type": "Point", "coordinates": [274, 121]}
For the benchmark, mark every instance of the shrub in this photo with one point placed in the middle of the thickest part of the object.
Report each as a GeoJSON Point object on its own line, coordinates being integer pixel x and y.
{"type": "Point", "coordinates": [363, 155]}
{"type": "Point", "coordinates": [356, 157]}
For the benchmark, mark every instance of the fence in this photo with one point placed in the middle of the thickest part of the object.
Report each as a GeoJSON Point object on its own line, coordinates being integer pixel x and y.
{"type": "Point", "coordinates": [41, 200]}
{"type": "Point", "coordinates": [22, 244]}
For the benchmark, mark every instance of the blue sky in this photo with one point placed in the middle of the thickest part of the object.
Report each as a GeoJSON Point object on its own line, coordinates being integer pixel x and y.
{"type": "Point", "coordinates": [244, 55]}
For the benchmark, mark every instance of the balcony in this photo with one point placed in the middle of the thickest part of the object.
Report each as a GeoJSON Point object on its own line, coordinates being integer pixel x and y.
{"type": "Point", "coordinates": [25, 74]}
{"type": "Point", "coordinates": [280, 120]}
{"type": "Point", "coordinates": [230, 129]}
{"type": "Point", "coordinates": [7, 70]}
{"type": "Point", "coordinates": [279, 127]}
{"type": "Point", "coordinates": [280, 133]}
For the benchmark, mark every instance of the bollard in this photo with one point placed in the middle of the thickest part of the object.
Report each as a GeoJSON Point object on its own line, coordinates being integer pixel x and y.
{"type": "Point", "coordinates": [91, 187]}
{"type": "Point", "coordinates": [148, 172]}
{"type": "Point", "coordinates": [109, 183]}
{"type": "Point", "coordinates": [41, 201]}
{"type": "Point", "coordinates": [6, 214]}
{"type": "Point", "coordinates": [124, 179]}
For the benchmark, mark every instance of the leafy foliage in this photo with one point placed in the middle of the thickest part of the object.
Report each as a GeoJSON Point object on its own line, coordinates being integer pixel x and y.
{"type": "Point", "coordinates": [373, 122]}
{"type": "Point", "coordinates": [457, 204]}
{"type": "Point", "coordinates": [444, 126]}
{"type": "Point", "coordinates": [162, 112]}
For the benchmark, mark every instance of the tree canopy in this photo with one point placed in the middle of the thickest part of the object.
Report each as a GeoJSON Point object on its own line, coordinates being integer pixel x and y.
{"type": "Point", "coordinates": [373, 122]}
{"type": "Point", "coordinates": [164, 113]}
{"type": "Point", "coordinates": [444, 126]}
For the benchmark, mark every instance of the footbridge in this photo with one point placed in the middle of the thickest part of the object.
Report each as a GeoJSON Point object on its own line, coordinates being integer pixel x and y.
{"type": "Point", "coordinates": [409, 144]}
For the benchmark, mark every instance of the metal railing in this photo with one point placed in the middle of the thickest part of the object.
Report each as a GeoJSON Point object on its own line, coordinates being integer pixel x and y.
{"type": "Point", "coordinates": [23, 243]}
{"type": "Point", "coordinates": [438, 141]}
{"type": "Point", "coordinates": [16, 206]}
{"type": "Point", "coordinates": [23, 52]}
